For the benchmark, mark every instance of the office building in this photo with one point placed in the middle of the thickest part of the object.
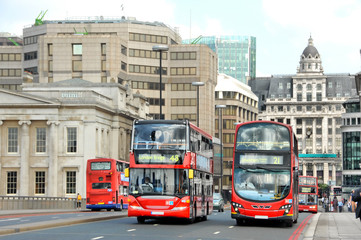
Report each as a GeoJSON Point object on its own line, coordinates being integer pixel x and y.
{"type": "Point", "coordinates": [120, 51]}
{"type": "Point", "coordinates": [311, 102]}
{"type": "Point", "coordinates": [10, 61]}
{"type": "Point", "coordinates": [241, 105]}
{"type": "Point", "coordinates": [236, 54]}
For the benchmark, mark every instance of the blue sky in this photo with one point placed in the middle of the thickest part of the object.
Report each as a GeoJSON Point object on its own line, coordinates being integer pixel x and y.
{"type": "Point", "coordinates": [282, 27]}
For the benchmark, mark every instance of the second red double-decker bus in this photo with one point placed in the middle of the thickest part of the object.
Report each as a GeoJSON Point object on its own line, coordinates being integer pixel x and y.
{"type": "Point", "coordinates": [265, 173]}
{"type": "Point", "coordinates": [171, 171]}
{"type": "Point", "coordinates": [106, 184]}
{"type": "Point", "coordinates": [308, 194]}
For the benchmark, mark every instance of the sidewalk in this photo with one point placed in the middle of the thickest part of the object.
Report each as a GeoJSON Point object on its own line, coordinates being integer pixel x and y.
{"type": "Point", "coordinates": [82, 217]}
{"type": "Point", "coordinates": [333, 225]}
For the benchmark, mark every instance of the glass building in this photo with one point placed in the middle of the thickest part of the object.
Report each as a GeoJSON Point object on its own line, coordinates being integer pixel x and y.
{"type": "Point", "coordinates": [236, 54]}
{"type": "Point", "coordinates": [351, 131]}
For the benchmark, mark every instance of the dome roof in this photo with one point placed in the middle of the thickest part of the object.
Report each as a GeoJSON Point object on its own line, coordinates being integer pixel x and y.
{"type": "Point", "coordinates": [310, 49]}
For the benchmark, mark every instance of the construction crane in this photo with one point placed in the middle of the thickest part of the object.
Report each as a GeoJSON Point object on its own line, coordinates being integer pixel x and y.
{"type": "Point", "coordinates": [39, 19]}
{"type": "Point", "coordinates": [15, 43]}
{"type": "Point", "coordinates": [81, 33]}
{"type": "Point", "coordinates": [195, 41]}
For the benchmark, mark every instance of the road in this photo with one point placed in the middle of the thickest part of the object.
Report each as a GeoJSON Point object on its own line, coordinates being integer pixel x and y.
{"type": "Point", "coordinates": [218, 226]}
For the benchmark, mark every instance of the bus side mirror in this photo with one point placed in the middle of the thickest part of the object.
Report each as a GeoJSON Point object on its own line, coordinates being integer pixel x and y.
{"type": "Point", "coordinates": [190, 174]}
{"type": "Point", "coordinates": [126, 172]}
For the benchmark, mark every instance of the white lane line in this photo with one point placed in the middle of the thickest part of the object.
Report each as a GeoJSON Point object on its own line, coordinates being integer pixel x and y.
{"type": "Point", "coordinates": [216, 232]}
{"type": "Point", "coordinates": [231, 227]}
{"type": "Point", "coordinates": [9, 219]}
{"type": "Point", "coordinates": [131, 230]}
{"type": "Point", "coordinates": [96, 238]}
{"type": "Point", "coordinates": [155, 224]}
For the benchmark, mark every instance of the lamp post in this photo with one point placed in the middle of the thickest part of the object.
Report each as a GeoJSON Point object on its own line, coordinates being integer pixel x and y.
{"type": "Point", "coordinates": [220, 134]}
{"type": "Point", "coordinates": [198, 84]}
{"type": "Point", "coordinates": [160, 49]}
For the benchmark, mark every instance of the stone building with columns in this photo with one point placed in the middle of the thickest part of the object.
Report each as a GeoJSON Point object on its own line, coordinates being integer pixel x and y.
{"type": "Point", "coordinates": [311, 102]}
{"type": "Point", "coordinates": [49, 130]}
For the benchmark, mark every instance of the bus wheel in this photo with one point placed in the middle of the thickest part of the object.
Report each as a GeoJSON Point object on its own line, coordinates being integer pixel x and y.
{"type": "Point", "coordinates": [239, 222]}
{"type": "Point", "coordinates": [295, 221]}
{"type": "Point", "coordinates": [289, 223]}
{"type": "Point", "coordinates": [204, 218]}
{"type": "Point", "coordinates": [141, 219]}
{"type": "Point", "coordinates": [109, 209]}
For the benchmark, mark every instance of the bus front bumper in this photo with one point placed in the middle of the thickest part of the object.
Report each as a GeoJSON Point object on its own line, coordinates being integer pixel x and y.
{"type": "Point", "coordinates": [156, 213]}
{"type": "Point", "coordinates": [271, 215]}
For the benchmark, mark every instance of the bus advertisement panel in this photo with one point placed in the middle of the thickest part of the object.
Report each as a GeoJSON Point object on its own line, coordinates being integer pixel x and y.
{"type": "Point", "coordinates": [106, 184]}
{"type": "Point", "coordinates": [308, 194]}
{"type": "Point", "coordinates": [171, 171]}
{"type": "Point", "coordinates": [265, 172]}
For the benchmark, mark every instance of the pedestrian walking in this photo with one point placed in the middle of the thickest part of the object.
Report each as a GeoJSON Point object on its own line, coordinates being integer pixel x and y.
{"type": "Point", "coordinates": [356, 197]}
{"type": "Point", "coordinates": [78, 201]}
{"type": "Point", "coordinates": [335, 203]}
{"type": "Point", "coordinates": [340, 205]}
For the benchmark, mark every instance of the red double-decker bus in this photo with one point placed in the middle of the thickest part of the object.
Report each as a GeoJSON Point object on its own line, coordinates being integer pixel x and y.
{"type": "Point", "coordinates": [308, 194]}
{"type": "Point", "coordinates": [171, 171]}
{"type": "Point", "coordinates": [265, 173]}
{"type": "Point", "coordinates": [106, 184]}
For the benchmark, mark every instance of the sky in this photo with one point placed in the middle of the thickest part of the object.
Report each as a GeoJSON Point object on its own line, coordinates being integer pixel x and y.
{"type": "Point", "coordinates": [281, 27]}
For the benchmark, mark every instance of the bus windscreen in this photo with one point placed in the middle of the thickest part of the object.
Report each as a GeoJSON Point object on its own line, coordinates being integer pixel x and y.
{"type": "Point", "coordinates": [263, 136]}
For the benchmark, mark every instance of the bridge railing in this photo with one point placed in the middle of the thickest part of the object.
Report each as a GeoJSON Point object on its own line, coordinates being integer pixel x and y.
{"type": "Point", "coordinates": [19, 202]}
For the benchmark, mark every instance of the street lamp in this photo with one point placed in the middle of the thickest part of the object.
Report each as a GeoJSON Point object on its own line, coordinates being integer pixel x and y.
{"type": "Point", "coordinates": [160, 49]}
{"type": "Point", "coordinates": [198, 84]}
{"type": "Point", "coordinates": [220, 134]}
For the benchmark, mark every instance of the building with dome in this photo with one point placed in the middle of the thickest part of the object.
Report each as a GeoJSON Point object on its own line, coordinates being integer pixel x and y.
{"type": "Point", "coordinates": [311, 102]}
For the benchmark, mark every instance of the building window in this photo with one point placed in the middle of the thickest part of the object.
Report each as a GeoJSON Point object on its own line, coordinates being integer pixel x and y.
{"type": "Point", "coordinates": [288, 85]}
{"type": "Point", "coordinates": [40, 140]}
{"type": "Point", "coordinates": [191, 117]}
{"type": "Point", "coordinates": [330, 85]}
{"type": "Point", "coordinates": [40, 182]}
{"type": "Point", "coordinates": [123, 66]}
{"type": "Point", "coordinates": [78, 49]}
{"type": "Point", "coordinates": [50, 49]}
{"type": "Point", "coordinates": [309, 87]}
{"type": "Point", "coordinates": [123, 50]}
{"type": "Point", "coordinates": [70, 182]}
{"type": "Point", "coordinates": [319, 96]}
{"type": "Point", "coordinates": [299, 108]}
{"type": "Point", "coordinates": [103, 48]}
{"type": "Point", "coordinates": [299, 131]}
{"type": "Point", "coordinates": [309, 97]}
{"type": "Point", "coordinates": [319, 87]}
{"type": "Point", "coordinates": [12, 180]}
{"type": "Point", "coordinates": [71, 140]}
{"type": "Point", "coordinates": [299, 97]}
{"type": "Point", "coordinates": [104, 65]}
{"type": "Point", "coordinates": [77, 66]}
{"type": "Point", "coordinates": [50, 66]}
{"type": "Point", "coordinates": [13, 140]}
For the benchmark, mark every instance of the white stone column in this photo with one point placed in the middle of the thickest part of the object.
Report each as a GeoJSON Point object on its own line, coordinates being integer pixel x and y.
{"type": "Point", "coordinates": [52, 188]}
{"type": "Point", "coordinates": [24, 157]}
{"type": "Point", "coordinates": [325, 173]}
{"type": "Point", "coordinates": [334, 172]}
{"type": "Point", "coordinates": [122, 143]}
{"type": "Point", "coordinates": [114, 143]}
{"type": "Point", "coordinates": [304, 169]}
{"type": "Point", "coordinates": [314, 165]}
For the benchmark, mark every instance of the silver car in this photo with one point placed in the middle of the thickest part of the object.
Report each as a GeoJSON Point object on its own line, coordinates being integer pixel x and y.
{"type": "Point", "coordinates": [218, 202]}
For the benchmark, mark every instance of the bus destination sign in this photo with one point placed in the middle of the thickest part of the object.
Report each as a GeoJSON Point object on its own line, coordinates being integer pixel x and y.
{"type": "Point", "coordinates": [250, 159]}
{"type": "Point", "coordinates": [147, 158]}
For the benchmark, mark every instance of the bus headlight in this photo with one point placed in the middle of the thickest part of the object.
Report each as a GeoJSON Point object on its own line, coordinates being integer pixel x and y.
{"type": "Point", "coordinates": [236, 206]}
{"type": "Point", "coordinates": [286, 207]}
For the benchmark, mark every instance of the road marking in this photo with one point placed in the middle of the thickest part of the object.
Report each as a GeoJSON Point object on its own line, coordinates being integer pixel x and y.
{"type": "Point", "coordinates": [10, 219]}
{"type": "Point", "coordinates": [131, 230]}
{"type": "Point", "coordinates": [100, 237]}
{"type": "Point", "coordinates": [216, 232]}
{"type": "Point", "coordinates": [231, 227]}
{"type": "Point", "coordinates": [155, 224]}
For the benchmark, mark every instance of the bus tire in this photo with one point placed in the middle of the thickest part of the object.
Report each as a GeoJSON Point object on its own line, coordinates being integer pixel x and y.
{"type": "Point", "coordinates": [121, 207]}
{"type": "Point", "coordinates": [141, 220]}
{"type": "Point", "coordinates": [289, 223]}
{"type": "Point", "coordinates": [295, 221]}
{"type": "Point", "coordinates": [239, 222]}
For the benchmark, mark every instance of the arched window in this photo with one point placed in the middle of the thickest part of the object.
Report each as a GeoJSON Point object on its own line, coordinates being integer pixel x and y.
{"type": "Point", "coordinates": [299, 87]}
{"type": "Point", "coordinates": [309, 87]}
{"type": "Point", "coordinates": [319, 87]}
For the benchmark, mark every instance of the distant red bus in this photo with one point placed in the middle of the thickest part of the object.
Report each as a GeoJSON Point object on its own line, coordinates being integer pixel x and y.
{"type": "Point", "coordinates": [106, 184]}
{"type": "Point", "coordinates": [265, 173]}
{"type": "Point", "coordinates": [171, 171]}
{"type": "Point", "coordinates": [308, 194]}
